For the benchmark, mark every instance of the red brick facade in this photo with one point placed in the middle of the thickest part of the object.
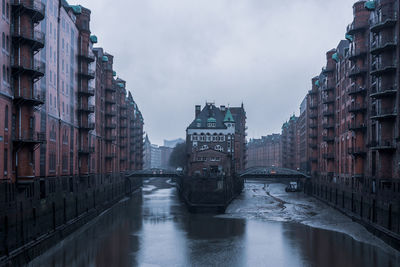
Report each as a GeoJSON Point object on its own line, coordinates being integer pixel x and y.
{"type": "Point", "coordinates": [64, 111]}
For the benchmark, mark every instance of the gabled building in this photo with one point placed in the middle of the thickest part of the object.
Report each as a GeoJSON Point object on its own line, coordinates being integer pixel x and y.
{"type": "Point", "coordinates": [213, 141]}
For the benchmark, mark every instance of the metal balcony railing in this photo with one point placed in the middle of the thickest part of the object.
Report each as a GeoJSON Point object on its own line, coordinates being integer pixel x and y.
{"type": "Point", "coordinates": [386, 19]}
{"type": "Point", "coordinates": [355, 89]}
{"type": "Point", "coordinates": [357, 107]}
{"type": "Point", "coordinates": [35, 37]}
{"type": "Point", "coordinates": [30, 136]}
{"type": "Point", "coordinates": [35, 5]}
{"type": "Point", "coordinates": [383, 113]}
{"type": "Point", "coordinates": [25, 64]}
{"type": "Point", "coordinates": [356, 26]}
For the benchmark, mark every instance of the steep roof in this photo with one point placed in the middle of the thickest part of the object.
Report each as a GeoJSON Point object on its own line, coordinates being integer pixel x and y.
{"type": "Point", "coordinates": [228, 116]}
{"type": "Point", "coordinates": [210, 113]}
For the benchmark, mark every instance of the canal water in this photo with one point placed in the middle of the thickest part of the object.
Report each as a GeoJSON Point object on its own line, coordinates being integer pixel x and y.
{"type": "Point", "coordinates": [264, 227]}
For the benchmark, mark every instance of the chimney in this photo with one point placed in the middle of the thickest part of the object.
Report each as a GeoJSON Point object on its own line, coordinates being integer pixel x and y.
{"type": "Point", "coordinates": [197, 110]}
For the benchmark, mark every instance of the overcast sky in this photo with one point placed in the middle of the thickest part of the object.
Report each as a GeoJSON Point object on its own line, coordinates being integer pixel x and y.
{"type": "Point", "coordinates": [175, 54]}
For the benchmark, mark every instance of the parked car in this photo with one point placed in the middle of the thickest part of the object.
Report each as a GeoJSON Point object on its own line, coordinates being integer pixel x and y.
{"type": "Point", "coordinates": [292, 187]}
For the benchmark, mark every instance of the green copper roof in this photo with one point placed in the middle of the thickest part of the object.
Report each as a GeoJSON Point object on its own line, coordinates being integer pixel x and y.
{"type": "Point", "coordinates": [211, 119]}
{"type": "Point", "coordinates": [104, 59]}
{"type": "Point", "coordinates": [76, 9]}
{"type": "Point", "coordinates": [335, 57]}
{"type": "Point", "coordinates": [114, 73]}
{"type": "Point", "coordinates": [370, 5]}
{"type": "Point", "coordinates": [349, 37]}
{"type": "Point", "coordinates": [198, 120]}
{"type": "Point", "coordinates": [121, 85]}
{"type": "Point", "coordinates": [228, 117]}
{"type": "Point", "coordinates": [93, 39]}
{"type": "Point", "coordinates": [317, 83]}
{"type": "Point", "coordinates": [293, 117]}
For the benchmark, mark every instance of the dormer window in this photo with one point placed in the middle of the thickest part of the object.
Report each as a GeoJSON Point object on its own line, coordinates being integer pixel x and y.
{"type": "Point", "coordinates": [211, 122]}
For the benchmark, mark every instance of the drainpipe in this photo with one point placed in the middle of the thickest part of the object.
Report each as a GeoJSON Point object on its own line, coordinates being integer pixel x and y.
{"type": "Point", "coordinates": [58, 90]}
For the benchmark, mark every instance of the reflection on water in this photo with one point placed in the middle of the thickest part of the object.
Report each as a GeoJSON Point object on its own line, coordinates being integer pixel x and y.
{"type": "Point", "coordinates": [154, 229]}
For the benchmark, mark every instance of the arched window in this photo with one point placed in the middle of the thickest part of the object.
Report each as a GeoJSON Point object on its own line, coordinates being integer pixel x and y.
{"type": "Point", "coordinates": [7, 44]}
{"type": "Point", "coordinates": [3, 41]}
{"type": "Point", "coordinates": [6, 119]}
{"type": "Point", "coordinates": [4, 73]}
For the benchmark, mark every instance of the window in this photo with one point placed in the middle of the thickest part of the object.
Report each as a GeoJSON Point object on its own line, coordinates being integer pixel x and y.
{"type": "Point", "coordinates": [6, 119]}
{"type": "Point", "coordinates": [5, 161]}
{"type": "Point", "coordinates": [8, 11]}
{"type": "Point", "coordinates": [3, 41]}
{"type": "Point", "coordinates": [4, 73]}
{"type": "Point", "coordinates": [4, 7]}
{"type": "Point", "coordinates": [7, 44]}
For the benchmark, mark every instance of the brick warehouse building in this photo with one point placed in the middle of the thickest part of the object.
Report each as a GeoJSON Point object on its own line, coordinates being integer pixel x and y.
{"type": "Point", "coordinates": [265, 151]}
{"type": "Point", "coordinates": [352, 121]}
{"type": "Point", "coordinates": [65, 112]}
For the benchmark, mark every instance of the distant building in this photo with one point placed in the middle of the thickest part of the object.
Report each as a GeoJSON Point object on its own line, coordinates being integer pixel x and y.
{"type": "Point", "coordinates": [173, 143]}
{"type": "Point", "coordinates": [265, 151]}
{"type": "Point", "coordinates": [155, 161]}
{"type": "Point", "coordinates": [216, 141]}
{"type": "Point", "coordinates": [165, 155]}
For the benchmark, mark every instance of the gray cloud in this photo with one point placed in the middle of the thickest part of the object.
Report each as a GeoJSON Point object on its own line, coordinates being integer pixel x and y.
{"type": "Point", "coordinates": [175, 54]}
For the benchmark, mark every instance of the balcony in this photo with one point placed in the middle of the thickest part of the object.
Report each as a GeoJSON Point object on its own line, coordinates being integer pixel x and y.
{"type": "Point", "coordinates": [87, 126]}
{"type": "Point", "coordinates": [87, 74]}
{"type": "Point", "coordinates": [85, 150]}
{"type": "Point", "coordinates": [110, 138]}
{"type": "Point", "coordinates": [380, 68]}
{"type": "Point", "coordinates": [122, 125]}
{"type": "Point", "coordinates": [357, 151]}
{"type": "Point", "coordinates": [35, 68]}
{"type": "Point", "coordinates": [357, 108]}
{"type": "Point", "coordinates": [328, 156]}
{"type": "Point", "coordinates": [110, 101]}
{"type": "Point", "coordinates": [35, 8]}
{"type": "Point", "coordinates": [313, 146]}
{"type": "Point", "coordinates": [123, 106]}
{"type": "Point", "coordinates": [328, 100]}
{"type": "Point", "coordinates": [123, 116]}
{"type": "Point", "coordinates": [384, 114]}
{"type": "Point", "coordinates": [110, 89]}
{"type": "Point", "coordinates": [328, 139]}
{"type": "Point", "coordinates": [313, 92]}
{"type": "Point", "coordinates": [36, 39]}
{"type": "Point", "coordinates": [379, 93]}
{"type": "Point", "coordinates": [86, 91]}
{"type": "Point", "coordinates": [30, 137]}
{"type": "Point", "coordinates": [313, 125]}
{"type": "Point", "coordinates": [357, 126]}
{"type": "Point", "coordinates": [328, 113]}
{"type": "Point", "coordinates": [383, 145]}
{"type": "Point", "coordinates": [330, 86]}
{"type": "Point", "coordinates": [384, 21]}
{"type": "Point", "coordinates": [378, 47]}
{"type": "Point", "coordinates": [111, 125]}
{"type": "Point", "coordinates": [87, 57]}
{"type": "Point", "coordinates": [31, 100]}
{"type": "Point", "coordinates": [86, 109]}
{"type": "Point", "coordinates": [313, 116]}
{"type": "Point", "coordinates": [357, 90]}
{"type": "Point", "coordinates": [313, 136]}
{"type": "Point", "coordinates": [328, 69]}
{"type": "Point", "coordinates": [354, 27]}
{"type": "Point", "coordinates": [357, 52]}
{"type": "Point", "coordinates": [329, 125]}
{"type": "Point", "coordinates": [110, 155]}
{"type": "Point", "coordinates": [110, 113]}
{"type": "Point", "coordinates": [357, 71]}
{"type": "Point", "coordinates": [313, 106]}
